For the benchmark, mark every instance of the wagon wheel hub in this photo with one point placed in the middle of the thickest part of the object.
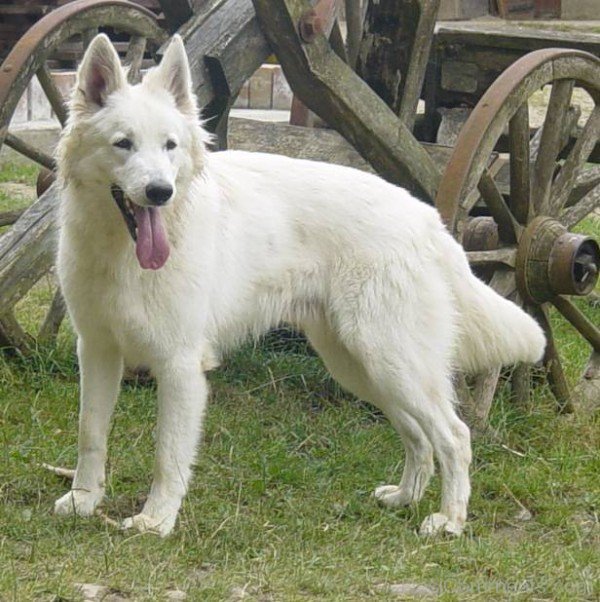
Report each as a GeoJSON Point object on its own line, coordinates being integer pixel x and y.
{"type": "Point", "coordinates": [535, 186]}
{"type": "Point", "coordinates": [553, 261]}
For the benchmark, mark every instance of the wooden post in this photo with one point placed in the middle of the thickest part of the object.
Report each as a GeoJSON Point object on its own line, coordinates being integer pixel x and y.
{"type": "Point", "coordinates": [395, 50]}
{"type": "Point", "coordinates": [177, 12]}
{"type": "Point", "coordinates": [331, 89]}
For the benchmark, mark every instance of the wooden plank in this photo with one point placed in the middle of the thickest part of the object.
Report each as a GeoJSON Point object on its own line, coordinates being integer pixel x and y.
{"type": "Point", "coordinates": [225, 47]}
{"type": "Point", "coordinates": [332, 90]}
{"type": "Point", "coordinates": [521, 39]}
{"type": "Point", "coordinates": [28, 249]}
{"type": "Point", "coordinates": [177, 12]}
{"type": "Point", "coordinates": [395, 50]}
{"type": "Point", "coordinates": [314, 144]}
{"type": "Point", "coordinates": [484, 51]}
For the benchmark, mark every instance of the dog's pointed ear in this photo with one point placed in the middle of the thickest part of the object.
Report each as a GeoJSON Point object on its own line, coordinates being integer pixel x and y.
{"type": "Point", "coordinates": [173, 74]}
{"type": "Point", "coordinates": [100, 73]}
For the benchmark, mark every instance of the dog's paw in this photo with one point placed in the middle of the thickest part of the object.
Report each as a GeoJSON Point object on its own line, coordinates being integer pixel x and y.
{"type": "Point", "coordinates": [144, 523]}
{"type": "Point", "coordinates": [78, 501]}
{"type": "Point", "coordinates": [393, 496]}
{"type": "Point", "coordinates": [440, 524]}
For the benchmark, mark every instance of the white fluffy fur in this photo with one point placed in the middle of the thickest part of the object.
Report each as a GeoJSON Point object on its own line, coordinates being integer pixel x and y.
{"type": "Point", "coordinates": [370, 274]}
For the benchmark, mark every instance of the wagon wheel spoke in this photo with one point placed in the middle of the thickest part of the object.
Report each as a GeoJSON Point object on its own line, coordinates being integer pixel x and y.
{"type": "Point", "coordinates": [53, 319]}
{"type": "Point", "coordinates": [550, 143]}
{"type": "Point", "coordinates": [521, 384]}
{"type": "Point", "coordinates": [578, 320]}
{"type": "Point", "coordinates": [585, 182]}
{"type": "Point", "coordinates": [582, 209]}
{"type": "Point", "coordinates": [52, 93]}
{"type": "Point", "coordinates": [574, 163]}
{"type": "Point", "coordinates": [555, 373]}
{"type": "Point", "coordinates": [504, 282]}
{"type": "Point", "coordinates": [504, 256]}
{"type": "Point", "coordinates": [29, 151]}
{"type": "Point", "coordinates": [508, 227]}
{"type": "Point", "coordinates": [12, 335]}
{"type": "Point", "coordinates": [88, 35]}
{"type": "Point", "coordinates": [134, 57]}
{"type": "Point", "coordinates": [476, 399]}
{"type": "Point", "coordinates": [518, 140]}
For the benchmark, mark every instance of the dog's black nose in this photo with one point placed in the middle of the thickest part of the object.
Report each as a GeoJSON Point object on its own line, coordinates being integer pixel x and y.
{"type": "Point", "coordinates": [158, 193]}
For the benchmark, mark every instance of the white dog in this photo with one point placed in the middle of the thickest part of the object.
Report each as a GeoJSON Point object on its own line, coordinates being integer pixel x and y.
{"type": "Point", "coordinates": [170, 255]}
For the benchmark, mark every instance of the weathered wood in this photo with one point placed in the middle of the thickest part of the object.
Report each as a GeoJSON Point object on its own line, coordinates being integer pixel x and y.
{"type": "Point", "coordinates": [294, 141]}
{"type": "Point", "coordinates": [485, 51]}
{"type": "Point", "coordinates": [518, 134]}
{"type": "Point", "coordinates": [590, 332]}
{"type": "Point", "coordinates": [329, 87]}
{"type": "Point", "coordinates": [176, 12]}
{"type": "Point", "coordinates": [29, 151]}
{"type": "Point", "coordinates": [521, 384]}
{"type": "Point", "coordinates": [48, 34]}
{"type": "Point", "coordinates": [225, 46]}
{"type": "Point", "coordinates": [88, 35]}
{"type": "Point", "coordinates": [582, 209]}
{"type": "Point", "coordinates": [555, 374]}
{"type": "Point", "coordinates": [315, 144]}
{"type": "Point", "coordinates": [506, 256]}
{"type": "Point", "coordinates": [53, 94]}
{"type": "Point", "coordinates": [53, 319]}
{"type": "Point", "coordinates": [134, 58]}
{"type": "Point", "coordinates": [354, 25]}
{"type": "Point", "coordinates": [27, 250]}
{"type": "Point", "coordinates": [508, 227]}
{"type": "Point", "coordinates": [475, 399]}
{"type": "Point", "coordinates": [395, 50]}
{"type": "Point", "coordinates": [12, 336]}
{"type": "Point", "coordinates": [575, 162]}
{"type": "Point", "coordinates": [550, 144]}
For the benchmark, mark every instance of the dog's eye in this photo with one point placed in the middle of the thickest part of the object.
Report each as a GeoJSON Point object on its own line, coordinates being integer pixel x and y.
{"type": "Point", "coordinates": [171, 144]}
{"type": "Point", "coordinates": [124, 143]}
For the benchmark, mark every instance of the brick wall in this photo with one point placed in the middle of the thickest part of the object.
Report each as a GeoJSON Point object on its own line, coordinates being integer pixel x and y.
{"type": "Point", "coordinates": [266, 89]}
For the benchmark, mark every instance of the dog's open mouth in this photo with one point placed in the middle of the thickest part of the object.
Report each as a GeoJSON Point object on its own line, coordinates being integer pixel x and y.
{"type": "Point", "coordinates": [145, 224]}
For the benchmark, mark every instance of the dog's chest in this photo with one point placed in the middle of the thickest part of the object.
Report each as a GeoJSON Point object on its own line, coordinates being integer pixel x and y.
{"type": "Point", "coordinates": [145, 313]}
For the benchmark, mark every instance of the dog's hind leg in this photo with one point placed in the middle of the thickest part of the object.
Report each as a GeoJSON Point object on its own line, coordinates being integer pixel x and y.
{"type": "Point", "coordinates": [397, 321]}
{"type": "Point", "coordinates": [101, 368]}
{"type": "Point", "coordinates": [182, 394]}
{"type": "Point", "coordinates": [418, 462]}
{"type": "Point", "coordinates": [404, 383]}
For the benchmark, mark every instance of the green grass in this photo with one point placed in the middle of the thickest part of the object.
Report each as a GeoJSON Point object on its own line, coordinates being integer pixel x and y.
{"type": "Point", "coordinates": [280, 505]}
{"type": "Point", "coordinates": [17, 187]}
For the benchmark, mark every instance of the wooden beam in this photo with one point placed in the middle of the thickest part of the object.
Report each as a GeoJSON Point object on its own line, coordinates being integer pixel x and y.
{"type": "Point", "coordinates": [395, 51]}
{"type": "Point", "coordinates": [28, 249]}
{"type": "Point", "coordinates": [314, 144]}
{"type": "Point", "coordinates": [332, 90]}
{"type": "Point", "coordinates": [225, 47]}
{"type": "Point", "coordinates": [176, 12]}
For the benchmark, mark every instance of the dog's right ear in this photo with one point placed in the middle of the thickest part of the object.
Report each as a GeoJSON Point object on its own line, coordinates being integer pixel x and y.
{"type": "Point", "coordinates": [99, 75]}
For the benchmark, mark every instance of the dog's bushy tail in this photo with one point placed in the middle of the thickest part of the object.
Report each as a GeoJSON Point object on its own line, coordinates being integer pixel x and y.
{"type": "Point", "coordinates": [492, 330]}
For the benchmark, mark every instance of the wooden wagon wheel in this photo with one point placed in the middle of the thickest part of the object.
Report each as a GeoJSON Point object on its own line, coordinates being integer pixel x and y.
{"type": "Point", "coordinates": [79, 20]}
{"type": "Point", "coordinates": [534, 194]}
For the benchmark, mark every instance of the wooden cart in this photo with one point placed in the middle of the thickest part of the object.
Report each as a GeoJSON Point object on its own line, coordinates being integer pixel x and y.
{"type": "Point", "coordinates": [512, 194]}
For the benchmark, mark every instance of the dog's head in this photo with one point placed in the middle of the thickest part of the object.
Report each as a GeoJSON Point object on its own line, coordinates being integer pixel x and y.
{"type": "Point", "coordinates": [143, 142]}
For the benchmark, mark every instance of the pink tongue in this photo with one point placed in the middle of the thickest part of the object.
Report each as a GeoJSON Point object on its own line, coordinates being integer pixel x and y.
{"type": "Point", "coordinates": [152, 246]}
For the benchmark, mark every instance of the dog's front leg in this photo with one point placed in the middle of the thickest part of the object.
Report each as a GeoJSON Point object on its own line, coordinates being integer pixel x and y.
{"type": "Point", "coordinates": [182, 393]}
{"type": "Point", "coordinates": [101, 369]}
